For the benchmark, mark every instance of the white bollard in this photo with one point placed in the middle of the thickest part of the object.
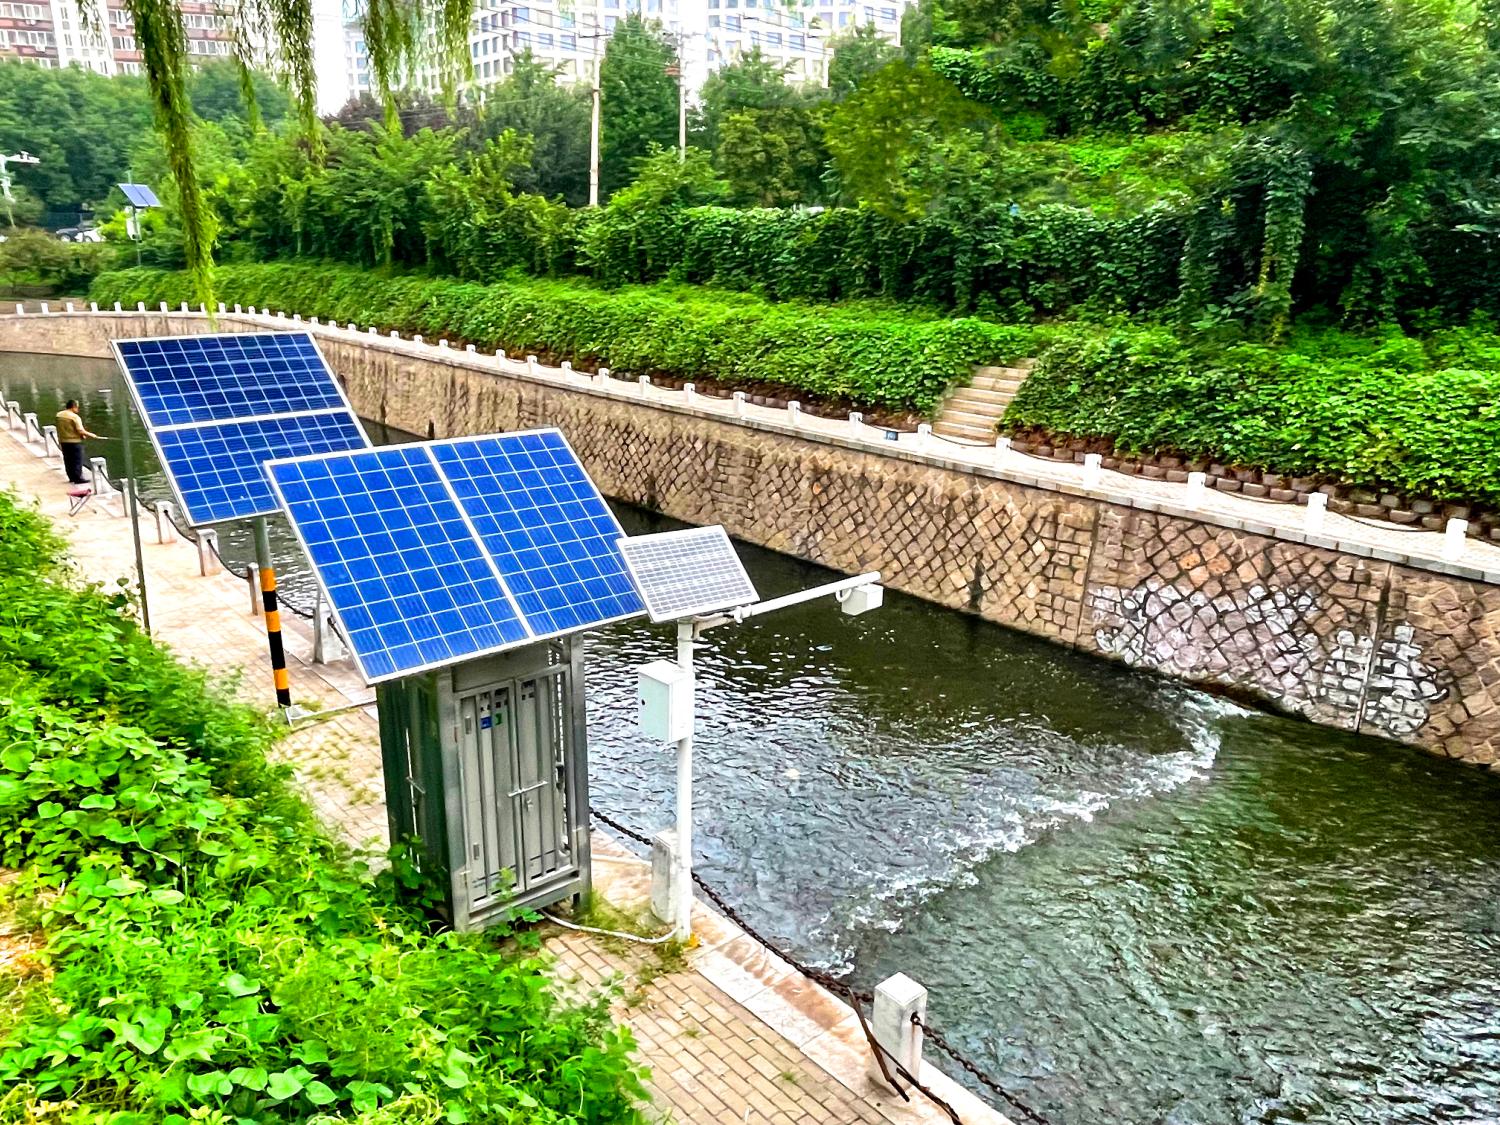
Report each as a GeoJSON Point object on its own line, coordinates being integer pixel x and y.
{"type": "Point", "coordinates": [395, 335]}
{"type": "Point", "coordinates": [93, 306]}
{"type": "Point", "coordinates": [531, 365]}
{"type": "Point", "coordinates": [471, 349]}
{"type": "Point", "coordinates": [252, 311]}
{"type": "Point", "coordinates": [99, 477]}
{"type": "Point", "coordinates": [645, 384]}
{"type": "Point", "coordinates": [252, 579]}
{"type": "Point", "coordinates": [1002, 449]}
{"type": "Point", "coordinates": [45, 309]}
{"type": "Point", "coordinates": [21, 309]}
{"type": "Point", "coordinates": [856, 422]}
{"type": "Point", "coordinates": [443, 342]}
{"type": "Point", "coordinates": [1455, 539]}
{"type": "Point", "coordinates": [328, 646]}
{"type": "Point", "coordinates": [33, 432]}
{"type": "Point", "coordinates": [140, 306]}
{"type": "Point", "coordinates": [373, 331]}
{"type": "Point", "coordinates": [162, 305]}
{"type": "Point", "coordinates": [739, 404]}
{"type": "Point", "coordinates": [208, 552]}
{"type": "Point", "coordinates": [566, 366]}
{"type": "Point", "coordinates": [221, 306]}
{"type": "Point", "coordinates": [1093, 466]}
{"type": "Point", "coordinates": [794, 412]}
{"type": "Point", "coordinates": [166, 530]}
{"type": "Point", "coordinates": [924, 436]}
{"type": "Point", "coordinates": [69, 306]}
{"type": "Point", "coordinates": [49, 442]}
{"type": "Point", "coordinates": [117, 307]}
{"type": "Point", "coordinates": [663, 867]}
{"type": "Point", "coordinates": [417, 339]}
{"type": "Point", "coordinates": [689, 393]}
{"type": "Point", "coordinates": [184, 307]}
{"type": "Point", "coordinates": [13, 415]}
{"type": "Point", "coordinates": [202, 309]}
{"type": "Point", "coordinates": [352, 327]}
{"type": "Point", "coordinates": [296, 317]}
{"type": "Point", "coordinates": [897, 1000]}
{"type": "Point", "coordinates": [236, 308]}
{"type": "Point", "coordinates": [312, 320]}
{"type": "Point", "coordinates": [1197, 489]}
{"type": "Point", "coordinates": [1317, 512]}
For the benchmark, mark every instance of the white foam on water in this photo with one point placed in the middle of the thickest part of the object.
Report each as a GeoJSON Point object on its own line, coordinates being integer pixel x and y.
{"type": "Point", "coordinates": [1019, 818]}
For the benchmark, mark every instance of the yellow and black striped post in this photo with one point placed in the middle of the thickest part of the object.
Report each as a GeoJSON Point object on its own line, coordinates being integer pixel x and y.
{"type": "Point", "coordinates": [273, 614]}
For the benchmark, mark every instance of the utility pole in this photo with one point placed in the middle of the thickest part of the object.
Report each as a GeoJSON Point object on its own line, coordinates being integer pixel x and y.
{"type": "Point", "coordinates": [594, 123]}
{"type": "Point", "coordinates": [675, 71]}
{"type": "Point", "coordinates": [22, 157]}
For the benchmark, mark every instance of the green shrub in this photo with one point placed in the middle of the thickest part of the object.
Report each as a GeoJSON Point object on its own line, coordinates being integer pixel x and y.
{"type": "Point", "coordinates": [213, 957]}
{"type": "Point", "coordinates": [1384, 411]}
{"type": "Point", "coordinates": [867, 355]}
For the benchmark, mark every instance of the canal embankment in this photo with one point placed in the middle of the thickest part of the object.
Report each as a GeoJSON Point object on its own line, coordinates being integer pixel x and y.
{"type": "Point", "coordinates": [733, 1033]}
{"type": "Point", "coordinates": [1357, 627]}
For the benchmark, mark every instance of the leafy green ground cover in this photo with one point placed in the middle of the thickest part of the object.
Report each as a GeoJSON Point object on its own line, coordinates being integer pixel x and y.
{"type": "Point", "coordinates": [1415, 415]}
{"type": "Point", "coordinates": [864, 353]}
{"type": "Point", "coordinates": [209, 955]}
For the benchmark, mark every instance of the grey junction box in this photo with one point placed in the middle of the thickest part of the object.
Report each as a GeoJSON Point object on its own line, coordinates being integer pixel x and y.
{"type": "Point", "coordinates": [486, 771]}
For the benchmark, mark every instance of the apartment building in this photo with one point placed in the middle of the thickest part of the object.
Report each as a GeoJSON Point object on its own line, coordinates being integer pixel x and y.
{"type": "Point", "coordinates": [570, 35]}
{"type": "Point", "coordinates": [52, 33]}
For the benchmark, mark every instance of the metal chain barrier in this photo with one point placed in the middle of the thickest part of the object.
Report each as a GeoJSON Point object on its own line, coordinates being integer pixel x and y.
{"type": "Point", "coordinates": [855, 997]}
{"type": "Point", "coordinates": [191, 536]}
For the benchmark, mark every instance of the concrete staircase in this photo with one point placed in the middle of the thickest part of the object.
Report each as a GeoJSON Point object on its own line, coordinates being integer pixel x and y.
{"type": "Point", "coordinates": [970, 413]}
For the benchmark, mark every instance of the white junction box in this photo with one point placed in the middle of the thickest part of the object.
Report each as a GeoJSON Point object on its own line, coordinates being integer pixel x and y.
{"type": "Point", "coordinates": [666, 701]}
{"type": "Point", "coordinates": [862, 599]}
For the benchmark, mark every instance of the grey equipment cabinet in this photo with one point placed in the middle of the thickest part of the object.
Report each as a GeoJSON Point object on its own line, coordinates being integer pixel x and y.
{"type": "Point", "coordinates": [486, 773]}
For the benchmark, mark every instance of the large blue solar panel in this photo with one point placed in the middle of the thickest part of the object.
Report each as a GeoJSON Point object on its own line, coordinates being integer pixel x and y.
{"type": "Point", "coordinates": [219, 406]}
{"type": "Point", "coordinates": [521, 502]}
{"type": "Point", "coordinates": [410, 585]}
{"type": "Point", "coordinates": [216, 468]}
{"type": "Point", "coordinates": [185, 379]}
{"type": "Point", "coordinates": [545, 525]}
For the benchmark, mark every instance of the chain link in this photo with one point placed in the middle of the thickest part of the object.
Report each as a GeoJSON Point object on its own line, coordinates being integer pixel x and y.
{"type": "Point", "coordinates": [941, 1043]}
{"type": "Point", "coordinates": [856, 997]}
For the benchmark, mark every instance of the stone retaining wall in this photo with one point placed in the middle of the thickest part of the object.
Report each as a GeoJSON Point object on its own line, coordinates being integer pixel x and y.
{"type": "Point", "coordinates": [1346, 641]}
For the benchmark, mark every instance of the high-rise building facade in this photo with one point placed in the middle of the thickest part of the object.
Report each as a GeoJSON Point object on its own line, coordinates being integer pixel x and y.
{"type": "Point", "coordinates": [52, 33]}
{"type": "Point", "coordinates": [570, 35]}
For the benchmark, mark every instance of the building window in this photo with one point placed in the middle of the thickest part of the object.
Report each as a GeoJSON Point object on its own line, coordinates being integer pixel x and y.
{"type": "Point", "coordinates": [544, 39]}
{"type": "Point", "coordinates": [568, 42]}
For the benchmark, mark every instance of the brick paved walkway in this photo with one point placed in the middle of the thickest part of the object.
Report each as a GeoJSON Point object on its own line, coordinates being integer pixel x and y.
{"type": "Point", "coordinates": [733, 1036]}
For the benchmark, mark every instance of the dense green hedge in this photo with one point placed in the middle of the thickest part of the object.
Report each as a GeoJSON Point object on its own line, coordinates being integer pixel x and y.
{"type": "Point", "coordinates": [206, 953]}
{"type": "Point", "coordinates": [1418, 416]}
{"type": "Point", "coordinates": [863, 354]}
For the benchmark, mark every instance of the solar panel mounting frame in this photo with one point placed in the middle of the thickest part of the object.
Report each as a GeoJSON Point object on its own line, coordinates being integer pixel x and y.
{"type": "Point", "coordinates": [416, 670]}
{"type": "Point", "coordinates": [721, 552]}
{"type": "Point", "coordinates": [140, 196]}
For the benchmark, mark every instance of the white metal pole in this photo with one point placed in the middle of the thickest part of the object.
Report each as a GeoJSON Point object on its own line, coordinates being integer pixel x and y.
{"type": "Point", "coordinates": [681, 112]}
{"type": "Point", "coordinates": [594, 127]}
{"type": "Point", "coordinates": [683, 883]}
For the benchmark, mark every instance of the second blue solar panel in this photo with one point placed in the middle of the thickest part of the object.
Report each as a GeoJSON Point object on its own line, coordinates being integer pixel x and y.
{"type": "Point", "coordinates": [408, 582]}
{"type": "Point", "coordinates": [217, 469]}
{"type": "Point", "coordinates": [546, 525]}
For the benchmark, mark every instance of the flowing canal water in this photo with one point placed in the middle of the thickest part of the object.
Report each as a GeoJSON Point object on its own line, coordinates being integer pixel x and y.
{"type": "Point", "coordinates": [1133, 902]}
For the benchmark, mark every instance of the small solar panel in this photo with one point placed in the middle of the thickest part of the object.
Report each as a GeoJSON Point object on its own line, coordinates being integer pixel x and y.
{"type": "Point", "coordinates": [546, 526]}
{"type": "Point", "coordinates": [217, 467]}
{"type": "Point", "coordinates": [219, 406]}
{"type": "Point", "coordinates": [139, 195]}
{"type": "Point", "coordinates": [182, 379]}
{"type": "Point", "coordinates": [408, 581]}
{"type": "Point", "coordinates": [687, 573]}
{"type": "Point", "coordinates": [521, 504]}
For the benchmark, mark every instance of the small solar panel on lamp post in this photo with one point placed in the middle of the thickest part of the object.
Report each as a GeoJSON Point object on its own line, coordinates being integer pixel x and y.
{"type": "Point", "coordinates": [694, 577]}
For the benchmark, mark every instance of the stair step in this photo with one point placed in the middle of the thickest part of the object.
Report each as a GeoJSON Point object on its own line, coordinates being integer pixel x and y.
{"type": "Point", "coordinates": [968, 417]}
{"type": "Point", "coordinates": [994, 383]}
{"type": "Point", "coordinates": [980, 395]}
{"type": "Point", "coordinates": [975, 432]}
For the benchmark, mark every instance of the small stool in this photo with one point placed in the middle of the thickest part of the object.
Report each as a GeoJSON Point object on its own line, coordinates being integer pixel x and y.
{"type": "Point", "coordinates": [78, 498]}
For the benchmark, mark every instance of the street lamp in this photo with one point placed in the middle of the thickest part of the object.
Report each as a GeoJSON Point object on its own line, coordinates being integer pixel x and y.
{"type": "Point", "coordinates": [22, 157]}
{"type": "Point", "coordinates": [694, 578]}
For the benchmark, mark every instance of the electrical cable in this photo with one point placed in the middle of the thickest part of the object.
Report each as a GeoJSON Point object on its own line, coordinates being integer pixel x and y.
{"type": "Point", "coordinates": [666, 937]}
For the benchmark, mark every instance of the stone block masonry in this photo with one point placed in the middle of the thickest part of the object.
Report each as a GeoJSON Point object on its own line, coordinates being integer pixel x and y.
{"type": "Point", "coordinates": [1359, 640]}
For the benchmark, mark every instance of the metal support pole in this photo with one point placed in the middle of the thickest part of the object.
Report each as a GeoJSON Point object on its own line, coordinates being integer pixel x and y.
{"type": "Point", "coordinates": [135, 520]}
{"type": "Point", "coordinates": [594, 134]}
{"type": "Point", "coordinates": [682, 885]}
{"type": "Point", "coordinates": [273, 616]}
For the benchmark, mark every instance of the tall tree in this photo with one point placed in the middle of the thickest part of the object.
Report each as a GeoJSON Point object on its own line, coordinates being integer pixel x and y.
{"type": "Point", "coordinates": [771, 157]}
{"type": "Point", "coordinates": [857, 55]}
{"type": "Point", "coordinates": [638, 99]}
{"type": "Point", "coordinates": [752, 81]}
{"type": "Point", "coordinates": [530, 103]}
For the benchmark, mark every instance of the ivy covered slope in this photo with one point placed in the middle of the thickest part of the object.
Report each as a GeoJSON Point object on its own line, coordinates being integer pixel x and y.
{"type": "Point", "coordinates": [183, 944]}
{"type": "Point", "coordinates": [866, 354]}
{"type": "Point", "coordinates": [1385, 411]}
